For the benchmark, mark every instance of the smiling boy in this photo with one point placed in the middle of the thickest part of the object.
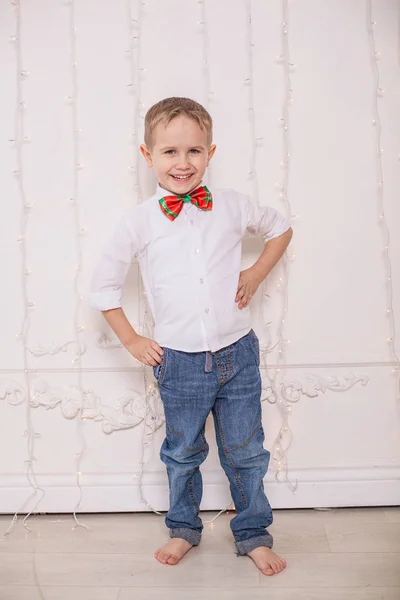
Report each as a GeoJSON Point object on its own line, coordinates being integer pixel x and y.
{"type": "Point", "coordinates": [205, 356]}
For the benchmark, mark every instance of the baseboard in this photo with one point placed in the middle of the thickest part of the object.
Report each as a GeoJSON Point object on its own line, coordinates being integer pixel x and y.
{"type": "Point", "coordinates": [119, 492]}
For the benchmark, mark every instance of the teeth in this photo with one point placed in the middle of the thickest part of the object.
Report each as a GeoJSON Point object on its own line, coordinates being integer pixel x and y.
{"type": "Point", "coordinates": [181, 176]}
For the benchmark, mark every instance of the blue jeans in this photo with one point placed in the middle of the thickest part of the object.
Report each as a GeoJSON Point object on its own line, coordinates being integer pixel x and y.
{"type": "Point", "coordinates": [228, 383]}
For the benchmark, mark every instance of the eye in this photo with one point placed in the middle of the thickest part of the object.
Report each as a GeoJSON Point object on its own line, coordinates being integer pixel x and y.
{"type": "Point", "coordinates": [195, 151]}
{"type": "Point", "coordinates": [169, 151]}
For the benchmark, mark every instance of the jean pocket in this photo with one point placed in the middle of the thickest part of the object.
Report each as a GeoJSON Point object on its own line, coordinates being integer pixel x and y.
{"type": "Point", "coordinates": [159, 370]}
{"type": "Point", "coordinates": [255, 344]}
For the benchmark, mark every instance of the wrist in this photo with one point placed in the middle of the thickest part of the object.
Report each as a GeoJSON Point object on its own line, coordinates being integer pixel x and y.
{"type": "Point", "coordinates": [132, 339]}
{"type": "Point", "coordinates": [258, 273]}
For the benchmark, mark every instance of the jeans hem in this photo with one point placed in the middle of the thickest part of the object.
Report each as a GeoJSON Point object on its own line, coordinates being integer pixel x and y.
{"type": "Point", "coordinates": [190, 535]}
{"type": "Point", "coordinates": [255, 542]}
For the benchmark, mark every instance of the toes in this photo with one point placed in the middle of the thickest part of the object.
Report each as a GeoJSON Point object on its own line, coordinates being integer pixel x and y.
{"type": "Point", "coordinates": [280, 566]}
{"type": "Point", "coordinates": [267, 571]}
{"type": "Point", "coordinates": [275, 568]}
{"type": "Point", "coordinates": [162, 557]}
{"type": "Point", "coordinates": [173, 560]}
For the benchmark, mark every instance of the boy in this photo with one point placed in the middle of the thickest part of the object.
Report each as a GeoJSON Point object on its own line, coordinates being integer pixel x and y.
{"type": "Point", "coordinates": [206, 356]}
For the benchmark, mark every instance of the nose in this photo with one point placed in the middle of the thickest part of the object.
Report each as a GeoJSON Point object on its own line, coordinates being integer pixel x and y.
{"type": "Point", "coordinates": [183, 162]}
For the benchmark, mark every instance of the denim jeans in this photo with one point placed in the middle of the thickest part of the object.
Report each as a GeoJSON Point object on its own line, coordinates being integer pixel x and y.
{"type": "Point", "coordinates": [228, 383]}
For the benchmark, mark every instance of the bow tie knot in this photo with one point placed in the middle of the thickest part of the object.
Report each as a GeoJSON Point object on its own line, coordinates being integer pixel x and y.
{"type": "Point", "coordinates": [172, 205]}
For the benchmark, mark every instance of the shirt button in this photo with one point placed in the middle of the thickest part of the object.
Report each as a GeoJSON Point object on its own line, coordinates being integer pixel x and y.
{"type": "Point", "coordinates": [202, 280]}
{"type": "Point", "coordinates": [197, 250]}
{"type": "Point", "coordinates": [191, 221]}
{"type": "Point", "coordinates": [207, 310]}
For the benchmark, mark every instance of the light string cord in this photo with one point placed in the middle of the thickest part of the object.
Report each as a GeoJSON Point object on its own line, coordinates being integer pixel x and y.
{"type": "Point", "coordinates": [205, 54]}
{"type": "Point", "coordinates": [134, 87]}
{"type": "Point", "coordinates": [378, 92]}
{"type": "Point", "coordinates": [145, 327]}
{"type": "Point", "coordinates": [208, 94]}
{"type": "Point", "coordinates": [251, 113]}
{"type": "Point", "coordinates": [19, 138]}
{"type": "Point", "coordinates": [77, 166]}
{"type": "Point", "coordinates": [284, 439]}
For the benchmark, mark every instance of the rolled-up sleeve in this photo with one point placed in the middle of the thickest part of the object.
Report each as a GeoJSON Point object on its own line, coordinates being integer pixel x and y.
{"type": "Point", "coordinates": [110, 273]}
{"type": "Point", "coordinates": [263, 220]}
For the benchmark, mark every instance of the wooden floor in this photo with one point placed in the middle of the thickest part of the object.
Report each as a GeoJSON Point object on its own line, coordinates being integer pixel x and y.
{"type": "Point", "coordinates": [337, 554]}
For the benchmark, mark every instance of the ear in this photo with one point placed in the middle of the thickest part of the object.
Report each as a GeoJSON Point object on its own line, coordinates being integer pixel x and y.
{"type": "Point", "coordinates": [211, 153]}
{"type": "Point", "coordinates": [147, 155]}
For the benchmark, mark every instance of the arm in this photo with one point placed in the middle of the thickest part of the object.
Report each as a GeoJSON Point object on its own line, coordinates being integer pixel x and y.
{"type": "Point", "coordinates": [276, 233]}
{"type": "Point", "coordinates": [106, 294]}
{"type": "Point", "coordinates": [251, 278]}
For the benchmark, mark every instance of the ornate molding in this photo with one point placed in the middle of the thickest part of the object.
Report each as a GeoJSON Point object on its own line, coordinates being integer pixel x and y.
{"type": "Point", "coordinates": [313, 385]}
{"type": "Point", "coordinates": [124, 412]}
{"type": "Point", "coordinates": [104, 342]}
{"type": "Point", "coordinates": [132, 408]}
{"type": "Point", "coordinates": [54, 349]}
{"type": "Point", "coordinates": [14, 394]}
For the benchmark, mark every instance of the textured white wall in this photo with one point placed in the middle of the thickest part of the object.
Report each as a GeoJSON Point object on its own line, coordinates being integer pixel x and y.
{"type": "Point", "coordinates": [345, 447]}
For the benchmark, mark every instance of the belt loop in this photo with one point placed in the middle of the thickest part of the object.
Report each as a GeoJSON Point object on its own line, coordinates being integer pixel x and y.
{"type": "Point", "coordinates": [208, 367]}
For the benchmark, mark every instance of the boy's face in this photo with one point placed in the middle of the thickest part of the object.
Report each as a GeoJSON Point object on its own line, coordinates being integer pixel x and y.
{"type": "Point", "coordinates": [179, 154]}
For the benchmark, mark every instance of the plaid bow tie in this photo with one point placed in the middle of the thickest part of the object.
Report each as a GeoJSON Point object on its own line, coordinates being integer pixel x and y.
{"type": "Point", "coordinates": [172, 205]}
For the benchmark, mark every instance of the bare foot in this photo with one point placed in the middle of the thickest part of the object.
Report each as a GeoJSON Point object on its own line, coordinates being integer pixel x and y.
{"type": "Point", "coordinates": [173, 551]}
{"type": "Point", "coordinates": [267, 561]}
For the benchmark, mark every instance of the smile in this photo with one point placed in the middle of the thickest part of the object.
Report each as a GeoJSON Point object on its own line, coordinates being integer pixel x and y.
{"type": "Point", "coordinates": [182, 177]}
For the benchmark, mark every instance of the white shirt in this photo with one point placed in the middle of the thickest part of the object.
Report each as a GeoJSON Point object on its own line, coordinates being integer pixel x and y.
{"type": "Point", "coordinates": [190, 267]}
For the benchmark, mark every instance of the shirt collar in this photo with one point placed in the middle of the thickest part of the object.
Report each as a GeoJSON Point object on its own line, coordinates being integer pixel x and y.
{"type": "Point", "coordinates": [161, 192]}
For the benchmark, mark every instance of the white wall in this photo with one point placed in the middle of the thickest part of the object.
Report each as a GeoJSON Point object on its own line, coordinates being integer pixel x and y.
{"type": "Point", "coordinates": [345, 425]}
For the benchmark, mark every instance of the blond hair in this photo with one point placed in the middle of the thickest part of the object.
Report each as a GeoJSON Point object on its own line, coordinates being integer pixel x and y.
{"type": "Point", "coordinates": [169, 108]}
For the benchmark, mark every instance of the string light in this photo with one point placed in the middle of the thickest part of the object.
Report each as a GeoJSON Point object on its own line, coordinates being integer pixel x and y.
{"type": "Point", "coordinates": [19, 136]}
{"type": "Point", "coordinates": [77, 166]}
{"type": "Point", "coordinates": [134, 87]}
{"type": "Point", "coordinates": [376, 121]}
{"type": "Point", "coordinates": [208, 94]}
{"type": "Point", "coordinates": [276, 386]}
{"type": "Point", "coordinates": [249, 84]}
